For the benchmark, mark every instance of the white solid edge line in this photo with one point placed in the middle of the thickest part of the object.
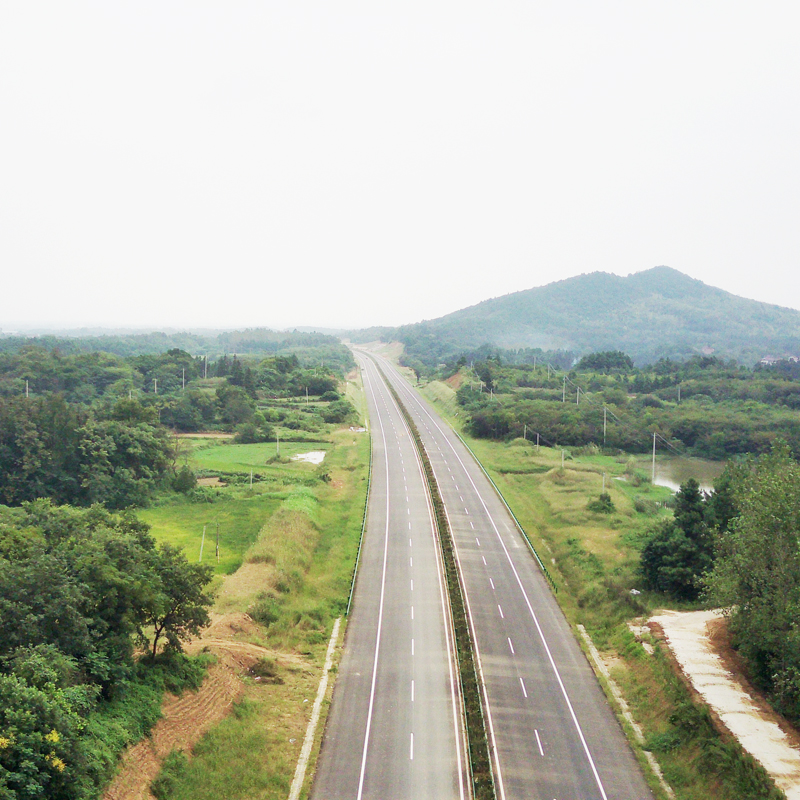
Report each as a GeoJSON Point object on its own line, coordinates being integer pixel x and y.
{"type": "Point", "coordinates": [308, 742]}
{"type": "Point", "coordinates": [527, 599]}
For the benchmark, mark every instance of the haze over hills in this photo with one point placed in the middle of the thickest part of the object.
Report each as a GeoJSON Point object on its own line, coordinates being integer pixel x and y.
{"type": "Point", "coordinates": [659, 312]}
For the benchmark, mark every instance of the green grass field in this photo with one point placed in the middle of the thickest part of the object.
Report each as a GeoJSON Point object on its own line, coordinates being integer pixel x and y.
{"type": "Point", "coordinates": [260, 458]}
{"type": "Point", "coordinates": [239, 518]}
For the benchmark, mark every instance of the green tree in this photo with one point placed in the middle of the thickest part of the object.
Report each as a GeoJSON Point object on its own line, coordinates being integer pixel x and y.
{"type": "Point", "coordinates": [178, 604]}
{"type": "Point", "coordinates": [679, 551]}
{"type": "Point", "coordinates": [757, 573]}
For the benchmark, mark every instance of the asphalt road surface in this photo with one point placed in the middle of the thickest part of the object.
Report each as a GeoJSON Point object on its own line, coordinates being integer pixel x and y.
{"type": "Point", "coordinates": [552, 733]}
{"type": "Point", "coordinates": [394, 729]}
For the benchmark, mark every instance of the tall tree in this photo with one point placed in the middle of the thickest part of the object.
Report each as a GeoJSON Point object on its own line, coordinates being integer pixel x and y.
{"type": "Point", "coordinates": [757, 573]}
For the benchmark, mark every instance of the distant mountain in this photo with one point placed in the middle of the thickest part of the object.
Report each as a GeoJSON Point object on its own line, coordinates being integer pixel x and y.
{"type": "Point", "coordinates": [652, 314]}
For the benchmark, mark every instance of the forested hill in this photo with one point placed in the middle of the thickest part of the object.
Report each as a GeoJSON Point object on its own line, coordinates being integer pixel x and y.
{"type": "Point", "coordinates": [652, 314]}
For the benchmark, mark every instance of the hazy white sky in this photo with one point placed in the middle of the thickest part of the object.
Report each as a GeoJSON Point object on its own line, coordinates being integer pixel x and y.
{"type": "Point", "coordinates": [198, 163]}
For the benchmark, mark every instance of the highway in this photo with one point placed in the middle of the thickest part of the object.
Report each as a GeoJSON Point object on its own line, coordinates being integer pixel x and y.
{"type": "Point", "coordinates": [552, 733]}
{"type": "Point", "coordinates": [394, 731]}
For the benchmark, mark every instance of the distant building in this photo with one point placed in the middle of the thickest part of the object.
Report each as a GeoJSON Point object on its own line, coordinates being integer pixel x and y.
{"type": "Point", "coordinates": [771, 360]}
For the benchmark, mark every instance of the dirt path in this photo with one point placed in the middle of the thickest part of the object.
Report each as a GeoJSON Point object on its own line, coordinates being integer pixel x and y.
{"type": "Point", "coordinates": [699, 643]}
{"type": "Point", "coordinates": [185, 719]}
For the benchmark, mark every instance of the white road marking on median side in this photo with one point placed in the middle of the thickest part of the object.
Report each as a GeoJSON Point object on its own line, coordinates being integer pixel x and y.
{"type": "Point", "coordinates": [484, 560]}
{"type": "Point", "coordinates": [522, 684]}
{"type": "Point", "coordinates": [412, 691]}
{"type": "Point", "coordinates": [539, 742]}
{"type": "Point", "coordinates": [510, 645]}
{"type": "Point", "coordinates": [411, 562]}
{"type": "Point", "coordinates": [412, 584]}
{"type": "Point", "coordinates": [412, 612]}
{"type": "Point", "coordinates": [305, 752]}
{"type": "Point", "coordinates": [412, 647]}
{"type": "Point", "coordinates": [500, 609]}
{"type": "Point", "coordinates": [411, 753]}
{"type": "Point", "coordinates": [492, 582]}
{"type": "Point", "coordinates": [478, 541]}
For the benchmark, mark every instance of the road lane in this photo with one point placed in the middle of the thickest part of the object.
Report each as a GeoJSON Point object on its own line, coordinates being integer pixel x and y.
{"type": "Point", "coordinates": [394, 728]}
{"type": "Point", "coordinates": [553, 733]}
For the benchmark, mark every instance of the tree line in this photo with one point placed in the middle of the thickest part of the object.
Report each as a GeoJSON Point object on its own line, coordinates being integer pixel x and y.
{"type": "Point", "coordinates": [705, 407]}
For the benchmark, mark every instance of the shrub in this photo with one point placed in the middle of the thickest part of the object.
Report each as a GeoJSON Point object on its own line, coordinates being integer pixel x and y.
{"type": "Point", "coordinates": [173, 768]}
{"type": "Point", "coordinates": [602, 505]}
{"type": "Point", "coordinates": [184, 480]}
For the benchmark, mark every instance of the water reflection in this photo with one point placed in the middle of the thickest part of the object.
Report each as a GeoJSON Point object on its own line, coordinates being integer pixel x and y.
{"type": "Point", "coordinates": [672, 472]}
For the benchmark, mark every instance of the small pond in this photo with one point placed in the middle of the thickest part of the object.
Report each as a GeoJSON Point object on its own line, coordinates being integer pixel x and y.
{"type": "Point", "coordinates": [314, 457]}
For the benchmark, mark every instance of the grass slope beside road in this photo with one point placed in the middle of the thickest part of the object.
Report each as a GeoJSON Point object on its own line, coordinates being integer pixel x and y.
{"type": "Point", "coordinates": [294, 537]}
{"type": "Point", "coordinates": [593, 558]}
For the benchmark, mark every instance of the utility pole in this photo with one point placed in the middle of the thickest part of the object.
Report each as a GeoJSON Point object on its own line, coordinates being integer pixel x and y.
{"type": "Point", "coordinates": [654, 458]}
{"type": "Point", "coordinates": [534, 363]}
{"type": "Point", "coordinates": [578, 397]}
{"type": "Point", "coordinates": [155, 385]}
{"type": "Point", "coordinates": [27, 393]}
{"type": "Point", "coordinates": [562, 459]}
{"type": "Point", "coordinates": [306, 396]}
{"type": "Point", "coordinates": [525, 432]}
{"type": "Point", "coordinates": [205, 367]}
{"type": "Point", "coordinates": [564, 391]}
{"type": "Point", "coordinates": [218, 543]}
{"type": "Point", "coordinates": [605, 424]}
{"type": "Point", "coordinates": [183, 378]}
{"type": "Point", "coordinates": [251, 479]}
{"type": "Point", "coordinates": [679, 393]}
{"type": "Point", "coordinates": [537, 442]}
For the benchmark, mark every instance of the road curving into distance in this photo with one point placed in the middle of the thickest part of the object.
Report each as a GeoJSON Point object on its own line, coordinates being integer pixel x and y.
{"type": "Point", "coordinates": [395, 730]}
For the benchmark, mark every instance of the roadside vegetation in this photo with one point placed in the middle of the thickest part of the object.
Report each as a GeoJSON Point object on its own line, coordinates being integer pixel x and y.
{"type": "Point", "coordinates": [293, 581]}
{"type": "Point", "coordinates": [591, 518]}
